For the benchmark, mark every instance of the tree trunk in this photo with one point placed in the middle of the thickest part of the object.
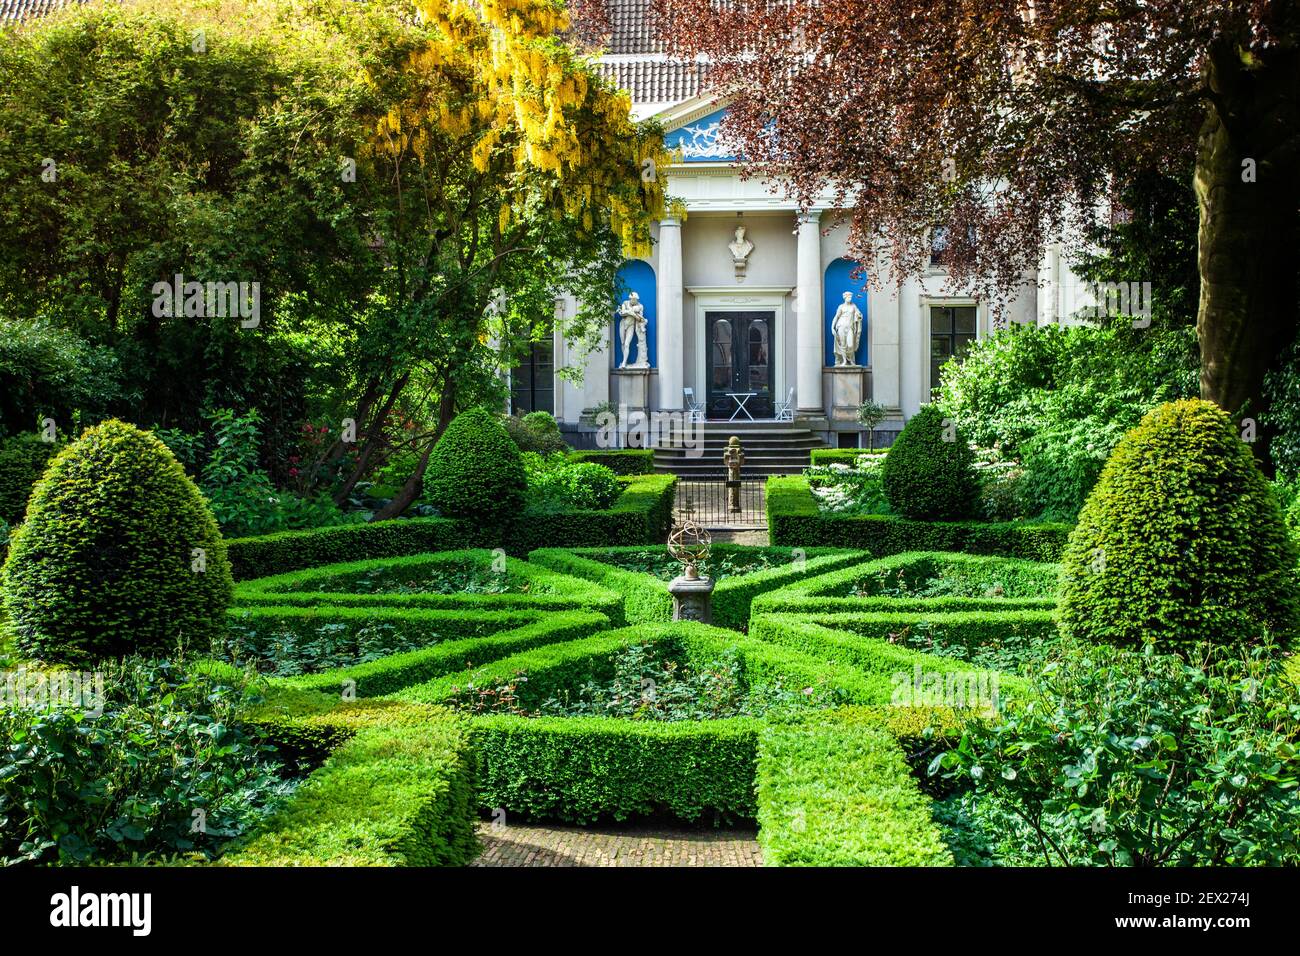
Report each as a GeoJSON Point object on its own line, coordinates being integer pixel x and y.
{"type": "Point", "coordinates": [415, 484]}
{"type": "Point", "coordinates": [1247, 256]}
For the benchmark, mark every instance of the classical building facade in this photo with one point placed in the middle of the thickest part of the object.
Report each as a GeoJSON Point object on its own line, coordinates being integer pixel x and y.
{"type": "Point", "coordinates": [740, 297]}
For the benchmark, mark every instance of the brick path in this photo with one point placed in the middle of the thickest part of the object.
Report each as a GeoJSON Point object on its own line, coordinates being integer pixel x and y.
{"type": "Point", "coordinates": [591, 846]}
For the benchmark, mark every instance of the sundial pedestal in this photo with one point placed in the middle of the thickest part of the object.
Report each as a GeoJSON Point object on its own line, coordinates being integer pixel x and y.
{"type": "Point", "coordinates": [692, 599]}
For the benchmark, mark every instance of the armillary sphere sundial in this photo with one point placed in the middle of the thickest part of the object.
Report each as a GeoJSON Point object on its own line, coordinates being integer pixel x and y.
{"type": "Point", "coordinates": [690, 544]}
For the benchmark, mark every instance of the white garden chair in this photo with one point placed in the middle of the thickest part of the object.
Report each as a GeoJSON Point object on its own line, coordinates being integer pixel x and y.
{"type": "Point", "coordinates": [694, 409]}
{"type": "Point", "coordinates": [785, 410]}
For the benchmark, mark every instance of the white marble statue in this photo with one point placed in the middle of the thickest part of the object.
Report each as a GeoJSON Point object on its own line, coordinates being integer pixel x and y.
{"type": "Point", "coordinates": [846, 327]}
{"type": "Point", "coordinates": [632, 324]}
{"type": "Point", "coordinates": [740, 249]}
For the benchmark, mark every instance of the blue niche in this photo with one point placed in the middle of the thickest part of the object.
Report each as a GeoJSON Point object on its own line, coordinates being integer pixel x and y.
{"type": "Point", "coordinates": [838, 280]}
{"type": "Point", "coordinates": [637, 276]}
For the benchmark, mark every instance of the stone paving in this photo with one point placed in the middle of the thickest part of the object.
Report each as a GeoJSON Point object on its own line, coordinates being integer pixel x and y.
{"type": "Point", "coordinates": [594, 846]}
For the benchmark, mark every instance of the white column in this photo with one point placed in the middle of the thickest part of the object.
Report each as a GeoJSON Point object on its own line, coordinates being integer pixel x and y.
{"type": "Point", "coordinates": [810, 349]}
{"type": "Point", "coordinates": [887, 347]}
{"type": "Point", "coordinates": [670, 337]}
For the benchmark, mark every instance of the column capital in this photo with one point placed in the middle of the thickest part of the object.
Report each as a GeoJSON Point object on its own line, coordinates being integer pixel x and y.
{"type": "Point", "coordinates": [811, 216]}
{"type": "Point", "coordinates": [673, 221]}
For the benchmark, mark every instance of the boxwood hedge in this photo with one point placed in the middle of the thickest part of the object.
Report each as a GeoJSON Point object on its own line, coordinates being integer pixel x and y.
{"type": "Point", "coordinates": [794, 519]}
{"type": "Point", "coordinates": [393, 795]}
{"type": "Point", "coordinates": [538, 587]}
{"type": "Point", "coordinates": [642, 515]}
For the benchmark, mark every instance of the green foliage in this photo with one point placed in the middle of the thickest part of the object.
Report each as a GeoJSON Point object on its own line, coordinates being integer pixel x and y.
{"type": "Point", "coordinates": [1282, 388]}
{"type": "Point", "coordinates": [794, 519]}
{"type": "Point", "coordinates": [105, 565]}
{"type": "Point", "coordinates": [80, 787]}
{"type": "Point", "coordinates": [23, 459]}
{"type": "Point", "coordinates": [857, 489]}
{"type": "Point", "coordinates": [621, 461]}
{"type": "Point", "coordinates": [830, 795]}
{"type": "Point", "coordinates": [929, 472]}
{"type": "Point", "coordinates": [243, 499]}
{"type": "Point", "coordinates": [48, 372]}
{"type": "Point", "coordinates": [537, 432]}
{"type": "Point", "coordinates": [842, 456]}
{"type": "Point", "coordinates": [1180, 540]}
{"type": "Point", "coordinates": [1125, 758]}
{"type": "Point", "coordinates": [557, 484]}
{"type": "Point", "coordinates": [1060, 398]}
{"type": "Point", "coordinates": [389, 796]}
{"type": "Point", "coordinates": [476, 472]}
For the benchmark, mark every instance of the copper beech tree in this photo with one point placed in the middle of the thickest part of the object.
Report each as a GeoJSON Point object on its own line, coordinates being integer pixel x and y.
{"type": "Point", "coordinates": [1004, 119]}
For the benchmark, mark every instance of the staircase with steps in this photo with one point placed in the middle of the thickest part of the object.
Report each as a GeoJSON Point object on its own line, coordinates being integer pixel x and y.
{"type": "Point", "coordinates": [771, 448]}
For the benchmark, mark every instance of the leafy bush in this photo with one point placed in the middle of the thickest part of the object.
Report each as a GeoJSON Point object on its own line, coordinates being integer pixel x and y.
{"type": "Point", "coordinates": [243, 498]}
{"type": "Point", "coordinates": [119, 554]}
{"type": "Point", "coordinates": [929, 472]}
{"type": "Point", "coordinates": [1060, 398]}
{"type": "Point", "coordinates": [536, 432]}
{"type": "Point", "coordinates": [1124, 758]}
{"type": "Point", "coordinates": [475, 471]}
{"type": "Point", "coordinates": [77, 788]}
{"type": "Point", "coordinates": [51, 372]}
{"type": "Point", "coordinates": [852, 487]}
{"type": "Point", "coordinates": [23, 459]}
{"type": "Point", "coordinates": [1180, 540]}
{"type": "Point", "coordinates": [1282, 389]}
{"type": "Point", "coordinates": [557, 484]}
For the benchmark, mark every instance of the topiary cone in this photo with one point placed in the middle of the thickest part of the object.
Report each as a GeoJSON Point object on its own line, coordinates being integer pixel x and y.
{"type": "Point", "coordinates": [929, 472]}
{"type": "Point", "coordinates": [476, 472]}
{"type": "Point", "coordinates": [119, 555]}
{"type": "Point", "coordinates": [1181, 539]}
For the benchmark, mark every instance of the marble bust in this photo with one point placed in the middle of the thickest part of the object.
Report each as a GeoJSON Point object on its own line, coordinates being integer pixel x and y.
{"type": "Point", "coordinates": [846, 327]}
{"type": "Point", "coordinates": [740, 249]}
{"type": "Point", "coordinates": [632, 325]}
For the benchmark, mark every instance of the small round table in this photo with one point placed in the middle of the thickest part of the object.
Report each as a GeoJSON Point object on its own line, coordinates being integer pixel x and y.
{"type": "Point", "coordinates": [740, 398]}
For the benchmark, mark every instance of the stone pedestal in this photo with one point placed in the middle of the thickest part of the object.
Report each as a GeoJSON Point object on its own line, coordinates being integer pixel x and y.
{"type": "Point", "coordinates": [848, 390]}
{"type": "Point", "coordinates": [692, 599]}
{"type": "Point", "coordinates": [632, 388]}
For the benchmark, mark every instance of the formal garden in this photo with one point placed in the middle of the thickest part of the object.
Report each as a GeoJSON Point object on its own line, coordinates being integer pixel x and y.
{"type": "Point", "coordinates": [302, 593]}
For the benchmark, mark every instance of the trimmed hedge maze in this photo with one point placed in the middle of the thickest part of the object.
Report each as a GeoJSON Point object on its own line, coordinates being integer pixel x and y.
{"type": "Point", "coordinates": [848, 663]}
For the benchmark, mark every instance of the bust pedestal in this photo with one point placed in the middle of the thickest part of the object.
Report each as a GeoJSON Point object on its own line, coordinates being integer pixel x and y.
{"type": "Point", "coordinates": [692, 599]}
{"type": "Point", "coordinates": [848, 391]}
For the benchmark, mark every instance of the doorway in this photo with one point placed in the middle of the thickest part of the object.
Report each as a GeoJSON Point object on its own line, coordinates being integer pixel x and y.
{"type": "Point", "coordinates": [739, 361]}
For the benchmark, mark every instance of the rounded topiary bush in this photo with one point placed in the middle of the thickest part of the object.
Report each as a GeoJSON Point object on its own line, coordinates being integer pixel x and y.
{"type": "Point", "coordinates": [1180, 540]}
{"type": "Point", "coordinates": [119, 554]}
{"type": "Point", "coordinates": [475, 471]}
{"type": "Point", "coordinates": [22, 462]}
{"type": "Point", "coordinates": [929, 472]}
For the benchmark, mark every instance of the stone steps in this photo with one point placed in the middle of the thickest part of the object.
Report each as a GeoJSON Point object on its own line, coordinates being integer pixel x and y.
{"type": "Point", "coordinates": [771, 448]}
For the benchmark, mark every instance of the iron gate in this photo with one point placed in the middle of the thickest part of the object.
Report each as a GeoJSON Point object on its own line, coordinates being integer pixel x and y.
{"type": "Point", "coordinates": [708, 502]}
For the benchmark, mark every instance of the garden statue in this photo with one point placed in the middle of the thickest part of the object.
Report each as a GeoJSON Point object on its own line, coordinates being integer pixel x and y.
{"type": "Point", "coordinates": [632, 323]}
{"type": "Point", "coordinates": [847, 329]}
{"type": "Point", "coordinates": [740, 250]}
{"type": "Point", "coordinates": [733, 457]}
{"type": "Point", "coordinates": [690, 544]}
